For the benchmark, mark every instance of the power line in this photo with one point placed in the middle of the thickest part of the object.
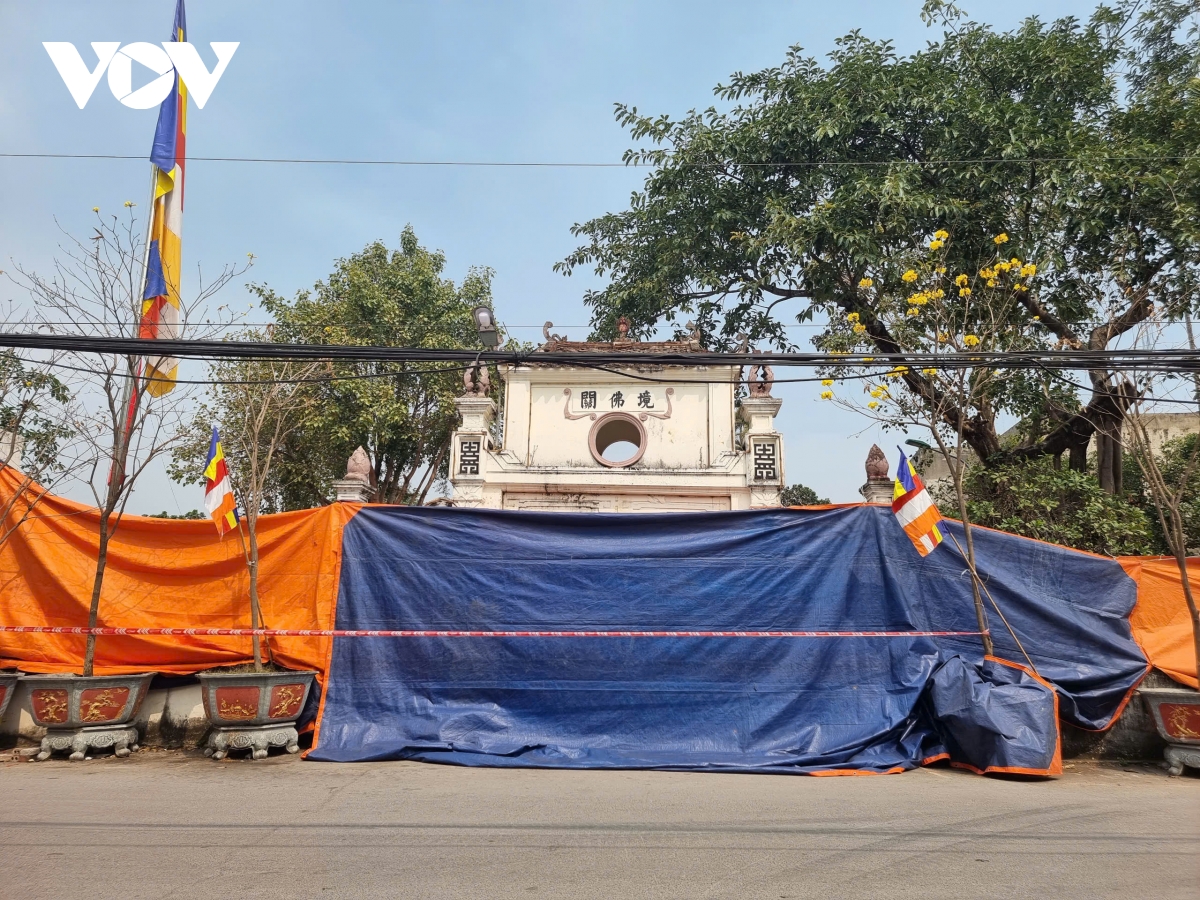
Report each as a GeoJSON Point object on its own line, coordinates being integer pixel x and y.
{"type": "Point", "coordinates": [631, 164]}
{"type": "Point", "coordinates": [1170, 360]}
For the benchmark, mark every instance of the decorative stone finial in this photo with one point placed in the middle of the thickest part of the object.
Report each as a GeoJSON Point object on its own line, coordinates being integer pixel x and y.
{"type": "Point", "coordinates": [877, 465]}
{"type": "Point", "coordinates": [551, 338]}
{"type": "Point", "coordinates": [878, 488]}
{"type": "Point", "coordinates": [476, 382]}
{"type": "Point", "coordinates": [356, 486]}
{"type": "Point", "coordinates": [622, 329]}
{"type": "Point", "coordinates": [358, 468]}
{"type": "Point", "coordinates": [760, 380]}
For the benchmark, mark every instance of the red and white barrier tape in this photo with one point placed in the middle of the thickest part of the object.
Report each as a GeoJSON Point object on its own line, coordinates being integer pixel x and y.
{"type": "Point", "coordinates": [404, 633]}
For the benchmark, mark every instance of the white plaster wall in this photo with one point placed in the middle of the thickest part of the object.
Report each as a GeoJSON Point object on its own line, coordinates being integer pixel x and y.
{"type": "Point", "coordinates": [681, 441]}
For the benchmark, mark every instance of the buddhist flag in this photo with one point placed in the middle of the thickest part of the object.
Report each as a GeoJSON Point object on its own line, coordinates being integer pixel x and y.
{"type": "Point", "coordinates": [915, 510]}
{"type": "Point", "coordinates": [160, 298]}
{"type": "Point", "coordinates": [219, 501]}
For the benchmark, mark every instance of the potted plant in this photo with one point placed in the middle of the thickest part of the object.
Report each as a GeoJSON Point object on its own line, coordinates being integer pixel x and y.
{"type": "Point", "coordinates": [1170, 486]}
{"type": "Point", "coordinates": [254, 405]}
{"type": "Point", "coordinates": [131, 415]}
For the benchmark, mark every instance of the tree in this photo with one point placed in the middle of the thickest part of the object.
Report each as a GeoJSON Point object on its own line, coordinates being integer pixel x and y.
{"type": "Point", "coordinates": [403, 414]}
{"type": "Point", "coordinates": [1061, 506]}
{"type": "Point", "coordinates": [35, 422]}
{"type": "Point", "coordinates": [1168, 481]}
{"type": "Point", "coordinates": [936, 311]}
{"type": "Point", "coordinates": [801, 495]}
{"type": "Point", "coordinates": [1075, 139]}
{"type": "Point", "coordinates": [119, 429]}
{"type": "Point", "coordinates": [255, 405]}
{"type": "Point", "coordinates": [1173, 462]}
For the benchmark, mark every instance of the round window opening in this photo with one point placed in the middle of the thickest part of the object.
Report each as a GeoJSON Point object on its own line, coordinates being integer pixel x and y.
{"type": "Point", "coordinates": [617, 440]}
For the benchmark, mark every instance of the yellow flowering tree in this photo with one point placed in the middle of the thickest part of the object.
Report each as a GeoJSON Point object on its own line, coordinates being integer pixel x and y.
{"type": "Point", "coordinates": [919, 306]}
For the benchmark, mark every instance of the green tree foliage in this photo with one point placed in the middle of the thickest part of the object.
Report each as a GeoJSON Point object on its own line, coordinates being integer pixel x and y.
{"type": "Point", "coordinates": [1076, 139]}
{"type": "Point", "coordinates": [1173, 463]}
{"type": "Point", "coordinates": [402, 413]}
{"type": "Point", "coordinates": [1058, 505]}
{"type": "Point", "coordinates": [800, 495]}
{"type": "Point", "coordinates": [33, 407]}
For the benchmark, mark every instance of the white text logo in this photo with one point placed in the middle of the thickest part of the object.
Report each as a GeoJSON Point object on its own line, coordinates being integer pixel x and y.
{"type": "Point", "coordinates": [164, 61]}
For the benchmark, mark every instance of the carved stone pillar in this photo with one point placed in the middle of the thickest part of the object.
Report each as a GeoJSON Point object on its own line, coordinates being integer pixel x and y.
{"type": "Point", "coordinates": [878, 488]}
{"type": "Point", "coordinates": [764, 449]}
{"type": "Point", "coordinates": [356, 486]}
{"type": "Point", "coordinates": [469, 450]}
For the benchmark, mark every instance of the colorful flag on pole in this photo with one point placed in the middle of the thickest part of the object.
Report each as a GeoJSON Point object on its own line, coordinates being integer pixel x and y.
{"type": "Point", "coordinates": [914, 508]}
{"type": "Point", "coordinates": [219, 501]}
{"type": "Point", "coordinates": [160, 299]}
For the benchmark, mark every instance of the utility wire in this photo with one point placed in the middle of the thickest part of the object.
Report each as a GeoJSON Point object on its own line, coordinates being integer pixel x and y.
{"type": "Point", "coordinates": [630, 164]}
{"type": "Point", "coordinates": [1182, 361]}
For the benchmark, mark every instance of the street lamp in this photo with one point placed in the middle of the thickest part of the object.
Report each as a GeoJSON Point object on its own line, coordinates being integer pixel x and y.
{"type": "Point", "coordinates": [485, 324]}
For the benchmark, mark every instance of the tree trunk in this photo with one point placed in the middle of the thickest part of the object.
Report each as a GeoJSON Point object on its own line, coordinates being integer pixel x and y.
{"type": "Point", "coordinates": [89, 656]}
{"type": "Point", "coordinates": [980, 612]}
{"type": "Point", "coordinates": [1193, 612]}
{"type": "Point", "coordinates": [255, 613]}
{"type": "Point", "coordinates": [1104, 457]}
{"type": "Point", "coordinates": [1077, 457]}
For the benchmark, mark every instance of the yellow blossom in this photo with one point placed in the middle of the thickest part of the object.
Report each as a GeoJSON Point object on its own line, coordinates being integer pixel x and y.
{"type": "Point", "coordinates": [941, 270]}
{"type": "Point", "coordinates": [1037, 318]}
{"type": "Point", "coordinates": [129, 203]}
{"type": "Point", "coordinates": [971, 340]}
{"type": "Point", "coordinates": [1003, 266]}
{"type": "Point", "coordinates": [826, 395]}
{"type": "Point", "coordinates": [1028, 270]}
{"type": "Point", "coordinates": [929, 371]}
{"type": "Point", "coordinates": [827, 381]}
{"type": "Point", "coordinates": [935, 245]}
{"type": "Point", "coordinates": [860, 328]}
{"type": "Point", "coordinates": [964, 292]}
{"type": "Point", "coordinates": [942, 337]}
{"type": "Point", "coordinates": [991, 282]}
{"type": "Point", "coordinates": [938, 294]}
{"type": "Point", "coordinates": [909, 277]}
{"type": "Point", "coordinates": [1015, 263]}
{"type": "Point", "coordinates": [879, 392]}
{"type": "Point", "coordinates": [912, 311]}
{"type": "Point", "coordinates": [866, 283]}
{"type": "Point", "coordinates": [941, 235]}
{"type": "Point", "coordinates": [961, 280]}
{"type": "Point", "coordinates": [987, 273]}
{"type": "Point", "coordinates": [95, 209]}
{"type": "Point", "coordinates": [1020, 287]}
{"type": "Point", "coordinates": [853, 317]}
{"type": "Point", "coordinates": [1001, 238]}
{"type": "Point", "coordinates": [873, 404]}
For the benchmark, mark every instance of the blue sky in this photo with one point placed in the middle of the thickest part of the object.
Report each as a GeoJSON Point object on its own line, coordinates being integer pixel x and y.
{"type": "Point", "coordinates": [437, 81]}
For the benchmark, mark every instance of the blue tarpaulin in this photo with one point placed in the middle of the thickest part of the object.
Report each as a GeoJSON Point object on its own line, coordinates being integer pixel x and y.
{"type": "Point", "coordinates": [792, 704]}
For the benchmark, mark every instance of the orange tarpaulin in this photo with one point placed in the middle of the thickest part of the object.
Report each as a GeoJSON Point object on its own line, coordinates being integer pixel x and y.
{"type": "Point", "coordinates": [1160, 619]}
{"type": "Point", "coordinates": [164, 573]}
{"type": "Point", "coordinates": [170, 573]}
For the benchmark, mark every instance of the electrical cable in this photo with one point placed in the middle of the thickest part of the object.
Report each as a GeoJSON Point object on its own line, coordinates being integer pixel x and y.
{"type": "Point", "coordinates": [624, 164]}
{"type": "Point", "coordinates": [1170, 360]}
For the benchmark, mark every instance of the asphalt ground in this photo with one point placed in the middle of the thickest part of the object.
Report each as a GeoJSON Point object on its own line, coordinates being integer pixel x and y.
{"type": "Point", "coordinates": [170, 825]}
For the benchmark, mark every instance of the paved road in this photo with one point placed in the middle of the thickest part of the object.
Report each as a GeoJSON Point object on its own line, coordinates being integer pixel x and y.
{"type": "Point", "coordinates": [165, 825]}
